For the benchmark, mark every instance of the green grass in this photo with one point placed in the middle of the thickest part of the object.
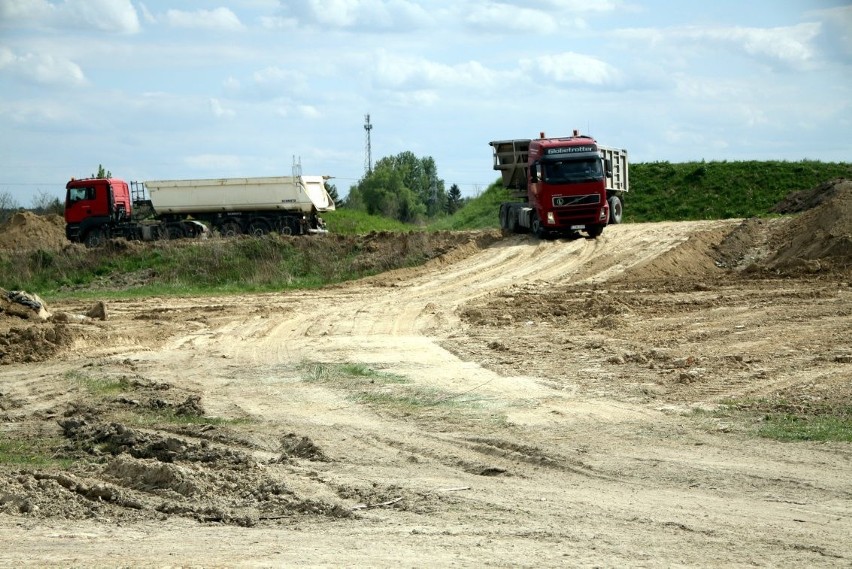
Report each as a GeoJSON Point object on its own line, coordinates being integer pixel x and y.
{"type": "Point", "coordinates": [665, 191]}
{"type": "Point", "coordinates": [347, 374]}
{"type": "Point", "coordinates": [218, 266]}
{"type": "Point", "coordinates": [478, 213]}
{"type": "Point", "coordinates": [662, 191]}
{"type": "Point", "coordinates": [784, 427]}
{"type": "Point", "coordinates": [368, 386]}
{"type": "Point", "coordinates": [350, 222]}
{"type": "Point", "coordinates": [411, 399]}
{"type": "Point", "coordinates": [783, 420]}
{"type": "Point", "coordinates": [144, 417]}
{"type": "Point", "coordinates": [37, 452]}
{"type": "Point", "coordinates": [102, 386]}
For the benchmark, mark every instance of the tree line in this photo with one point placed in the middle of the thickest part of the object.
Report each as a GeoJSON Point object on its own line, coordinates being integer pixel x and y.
{"type": "Point", "coordinates": [402, 187]}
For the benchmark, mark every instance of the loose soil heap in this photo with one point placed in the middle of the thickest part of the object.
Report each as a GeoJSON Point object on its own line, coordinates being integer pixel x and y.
{"type": "Point", "coordinates": [26, 230]}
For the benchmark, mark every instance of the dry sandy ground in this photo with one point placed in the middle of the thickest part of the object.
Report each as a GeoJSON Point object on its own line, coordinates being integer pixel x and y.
{"type": "Point", "coordinates": [526, 404]}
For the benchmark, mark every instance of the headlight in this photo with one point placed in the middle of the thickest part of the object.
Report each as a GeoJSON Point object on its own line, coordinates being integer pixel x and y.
{"type": "Point", "coordinates": [550, 219]}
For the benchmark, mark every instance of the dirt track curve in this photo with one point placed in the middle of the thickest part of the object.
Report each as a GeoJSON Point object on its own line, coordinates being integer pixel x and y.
{"type": "Point", "coordinates": [528, 404]}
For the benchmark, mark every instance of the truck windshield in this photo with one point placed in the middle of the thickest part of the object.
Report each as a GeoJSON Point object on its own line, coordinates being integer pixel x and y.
{"type": "Point", "coordinates": [569, 171]}
{"type": "Point", "coordinates": [80, 193]}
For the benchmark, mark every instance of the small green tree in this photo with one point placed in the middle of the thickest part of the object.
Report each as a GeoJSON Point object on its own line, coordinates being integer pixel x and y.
{"type": "Point", "coordinates": [102, 173]}
{"type": "Point", "coordinates": [332, 191]}
{"type": "Point", "coordinates": [454, 199]}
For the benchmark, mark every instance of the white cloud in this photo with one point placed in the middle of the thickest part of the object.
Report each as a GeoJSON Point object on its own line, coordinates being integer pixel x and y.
{"type": "Point", "coordinates": [309, 111]}
{"type": "Point", "coordinates": [501, 17]}
{"type": "Point", "coordinates": [395, 15]}
{"type": "Point", "coordinates": [791, 46]}
{"type": "Point", "coordinates": [43, 69]}
{"type": "Point", "coordinates": [117, 16]}
{"type": "Point", "coordinates": [213, 162]}
{"type": "Point", "coordinates": [218, 19]}
{"type": "Point", "coordinates": [576, 69]}
{"type": "Point", "coordinates": [408, 72]}
{"type": "Point", "coordinates": [278, 23]}
{"type": "Point", "coordinates": [219, 111]}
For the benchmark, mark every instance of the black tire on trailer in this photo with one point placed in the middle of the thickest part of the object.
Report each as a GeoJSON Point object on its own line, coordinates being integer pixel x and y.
{"type": "Point", "coordinates": [258, 227]}
{"type": "Point", "coordinates": [504, 219]}
{"type": "Point", "coordinates": [616, 209]}
{"type": "Point", "coordinates": [286, 226]}
{"type": "Point", "coordinates": [230, 229]}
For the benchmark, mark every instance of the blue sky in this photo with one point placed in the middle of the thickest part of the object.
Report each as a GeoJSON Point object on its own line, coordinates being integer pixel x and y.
{"type": "Point", "coordinates": [196, 89]}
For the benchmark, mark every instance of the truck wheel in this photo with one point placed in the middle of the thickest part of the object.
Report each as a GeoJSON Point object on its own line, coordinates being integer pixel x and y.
{"type": "Point", "coordinates": [616, 209]}
{"type": "Point", "coordinates": [175, 232]}
{"type": "Point", "coordinates": [594, 230]}
{"type": "Point", "coordinates": [94, 238]}
{"type": "Point", "coordinates": [511, 220]}
{"type": "Point", "coordinates": [258, 228]}
{"type": "Point", "coordinates": [537, 228]}
{"type": "Point", "coordinates": [230, 229]}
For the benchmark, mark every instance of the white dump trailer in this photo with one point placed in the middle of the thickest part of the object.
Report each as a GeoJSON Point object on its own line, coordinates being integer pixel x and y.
{"type": "Point", "coordinates": [97, 209]}
{"type": "Point", "coordinates": [286, 204]}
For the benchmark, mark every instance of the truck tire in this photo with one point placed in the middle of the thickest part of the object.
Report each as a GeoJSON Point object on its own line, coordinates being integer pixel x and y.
{"type": "Point", "coordinates": [258, 228]}
{"type": "Point", "coordinates": [536, 227]}
{"type": "Point", "coordinates": [230, 229]}
{"type": "Point", "coordinates": [175, 232]}
{"type": "Point", "coordinates": [616, 209]}
{"type": "Point", "coordinates": [94, 238]}
{"type": "Point", "coordinates": [594, 231]}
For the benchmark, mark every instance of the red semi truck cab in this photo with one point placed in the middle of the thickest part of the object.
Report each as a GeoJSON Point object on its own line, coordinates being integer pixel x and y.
{"type": "Point", "coordinates": [94, 203]}
{"type": "Point", "coordinates": [562, 184]}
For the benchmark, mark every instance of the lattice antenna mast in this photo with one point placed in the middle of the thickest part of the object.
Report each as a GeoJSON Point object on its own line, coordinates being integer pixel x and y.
{"type": "Point", "coordinates": [368, 160]}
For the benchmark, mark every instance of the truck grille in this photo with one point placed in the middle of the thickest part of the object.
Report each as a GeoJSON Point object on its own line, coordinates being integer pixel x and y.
{"type": "Point", "coordinates": [573, 201]}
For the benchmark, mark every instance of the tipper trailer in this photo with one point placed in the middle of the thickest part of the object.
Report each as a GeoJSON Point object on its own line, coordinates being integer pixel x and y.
{"type": "Point", "coordinates": [560, 185]}
{"type": "Point", "coordinates": [102, 208]}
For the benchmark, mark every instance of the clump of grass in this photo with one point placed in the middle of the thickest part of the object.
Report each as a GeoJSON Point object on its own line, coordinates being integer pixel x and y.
{"type": "Point", "coordinates": [347, 374]}
{"type": "Point", "coordinates": [145, 417]}
{"type": "Point", "coordinates": [412, 399]}
{"type": "Point", "coordinates": [784, 427]}
{"type": "Point", "coordinates": [783, 420]}
{"type": "Point", "coordinates": [35, 452]}
{"type": "Point", "coordinates": [369, 386]}
{"type": "Point", "coordinates": [98, 385]}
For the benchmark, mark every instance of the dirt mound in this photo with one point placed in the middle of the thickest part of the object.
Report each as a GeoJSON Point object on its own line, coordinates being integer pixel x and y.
{"type": "Point", "coordinates": [26, 230]}
{"type": "Point", "coordinates": [820, 238]}
{"type": "Point", "coordinates": [125, 472]}
{"type": "Point", "coordinates": [797, 202]}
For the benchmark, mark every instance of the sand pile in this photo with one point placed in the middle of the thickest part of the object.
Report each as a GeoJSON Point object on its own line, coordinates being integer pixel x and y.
{"type": "Point", "coordinates": [820, 238]}
{"type": "Point", "coordinates": [26, 230]}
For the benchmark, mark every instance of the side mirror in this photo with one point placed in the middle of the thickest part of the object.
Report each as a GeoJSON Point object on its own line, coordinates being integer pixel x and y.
{"type": "Point", "coordinates": [534, 173]}
{"type": "Point", "coordinates": [608, 168]}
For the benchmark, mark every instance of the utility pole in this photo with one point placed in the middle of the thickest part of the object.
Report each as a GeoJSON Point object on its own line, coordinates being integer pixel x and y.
{"type": "Point", "coordinates": [368, 160]}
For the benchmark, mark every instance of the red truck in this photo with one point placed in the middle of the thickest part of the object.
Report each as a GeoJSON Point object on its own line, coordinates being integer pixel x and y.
{"type": "Point", "coordinates": [97, 209]}
{"type": "Point", "coordinates": [560, 185]}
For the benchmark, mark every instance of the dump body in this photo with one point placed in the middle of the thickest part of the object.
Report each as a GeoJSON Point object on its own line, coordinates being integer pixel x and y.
{"type": "Point", "coordinates": [274, 194]}
{"type": "Point", "coordinates": [96, 209]}
{"type": "Point", "coordinates": [560, 185]}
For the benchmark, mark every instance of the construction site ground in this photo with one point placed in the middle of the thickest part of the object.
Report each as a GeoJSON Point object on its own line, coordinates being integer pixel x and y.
{"type": "Point", "coordinates": [515, 402]}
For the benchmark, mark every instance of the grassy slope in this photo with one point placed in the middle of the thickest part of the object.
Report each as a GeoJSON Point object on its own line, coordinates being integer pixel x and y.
{"type": "Point", "coordinates": [661, 191]}
{"type": "Point", "coordinates": [717, 190]}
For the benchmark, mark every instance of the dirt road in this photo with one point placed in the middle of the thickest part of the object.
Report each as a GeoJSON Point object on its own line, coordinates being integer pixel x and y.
{"type": "Point", "coordinates": [526, 404]}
